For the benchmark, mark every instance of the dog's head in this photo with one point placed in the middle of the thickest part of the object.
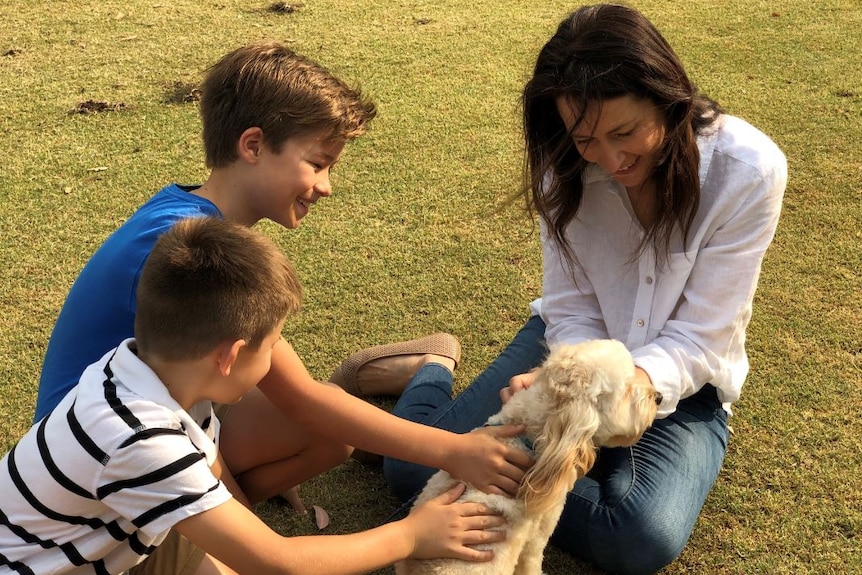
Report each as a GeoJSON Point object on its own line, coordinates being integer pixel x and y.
{"type": "Point", "coordinates": [587, 397]}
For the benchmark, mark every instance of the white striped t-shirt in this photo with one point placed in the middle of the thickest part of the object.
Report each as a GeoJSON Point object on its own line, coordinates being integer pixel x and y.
{"type": "Point", "coordinates": [97, 484]}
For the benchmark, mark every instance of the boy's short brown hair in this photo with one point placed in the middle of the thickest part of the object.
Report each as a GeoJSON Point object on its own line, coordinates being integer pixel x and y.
{"type": "Point", "coordinates": [285, 94]}
{"type": "Point", "coordinates": [207, 281]}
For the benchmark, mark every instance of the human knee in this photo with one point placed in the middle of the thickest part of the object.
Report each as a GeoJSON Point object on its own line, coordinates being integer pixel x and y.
{"type": "Point", "coordinates": [212, 566]}
{"type": "Point", "coordinates": [647, 557]}
{"type": "Point", "coordinates": [634, 543]}
{"type": "Point", "coordinates": [332, 453]}
{"type": "Point", "coordinates": [652, 549]}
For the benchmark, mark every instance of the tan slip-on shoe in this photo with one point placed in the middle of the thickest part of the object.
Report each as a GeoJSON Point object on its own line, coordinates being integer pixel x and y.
{"type": "Point", "coordinates": [345, 375]}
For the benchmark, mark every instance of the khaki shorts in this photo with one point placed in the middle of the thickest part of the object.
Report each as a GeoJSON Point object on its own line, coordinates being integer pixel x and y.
{"type": "Point", "coordinates": [175, 556]}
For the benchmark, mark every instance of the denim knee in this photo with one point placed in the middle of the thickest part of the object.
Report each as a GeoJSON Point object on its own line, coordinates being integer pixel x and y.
{"type": "Point", "coordinates": [405, 479]}
{"type": "Point", "coordinates": [626, 543]}
{"type": "Point", "coordinates": [637, 508]}
{"type": "Point", "coordinates": [656, 548]}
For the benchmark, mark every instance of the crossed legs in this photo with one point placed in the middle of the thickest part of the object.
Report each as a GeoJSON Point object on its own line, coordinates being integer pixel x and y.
{"type": "Point", "coordinates": [636, 509]}
{"type": "Point", "coordinates": [268, 453]}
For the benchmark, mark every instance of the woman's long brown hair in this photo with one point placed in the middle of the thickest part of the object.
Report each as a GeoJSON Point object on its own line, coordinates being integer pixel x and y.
{"type": "Point", "coordinates": [600, 53]}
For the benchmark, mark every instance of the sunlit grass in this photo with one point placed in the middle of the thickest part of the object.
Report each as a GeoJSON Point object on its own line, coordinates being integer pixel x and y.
{"type": "Point", "coordinates": [420, 235]}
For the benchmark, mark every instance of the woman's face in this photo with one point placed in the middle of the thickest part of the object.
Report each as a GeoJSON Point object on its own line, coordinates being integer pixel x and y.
{"type": "Point", "coordinates": [621, 135]}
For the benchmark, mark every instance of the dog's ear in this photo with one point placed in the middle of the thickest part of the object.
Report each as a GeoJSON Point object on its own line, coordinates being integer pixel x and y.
{"type": "Point", "coordinates": [566, 377]}
{"type": "Point", "coordinates": [572, 375]}
{"type": "Point", "coordinates": [565, 452]}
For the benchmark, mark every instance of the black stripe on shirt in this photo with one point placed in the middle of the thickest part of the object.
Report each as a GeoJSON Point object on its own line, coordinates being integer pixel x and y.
{"type": "Point", "coordinates": [88, 444]}
{"type": "Point", "coordinates": [113, 528]}
{"type": "Point", "coordinates": [169, 506]}
{"type": "Point", "coordinates": [16, 566]}
{"type": "Point", "coordinates": [148, 433]}
{"type": "Point", "coordinates": [152, 477]}
{"type": "Point", "coordinates": [99, 567]}
{"type": "Point", "coordinates": [69, 550]}
{"type": "Point", "coordinates": [138, 547]}
{"type": "Point", "coordinates": [111, 397]}
{"type": "Point", "coordinates": [52, 468]}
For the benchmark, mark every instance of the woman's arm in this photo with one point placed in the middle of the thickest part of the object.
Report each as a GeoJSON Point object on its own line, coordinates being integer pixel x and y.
{"type": "Point", "coordinates": [683, 319]}
{"type": "Point", "coordinates": [702, 339]}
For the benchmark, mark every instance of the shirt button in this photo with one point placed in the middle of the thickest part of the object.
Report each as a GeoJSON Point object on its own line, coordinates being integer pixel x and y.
{"type": "Point", "coordinates": [640, 323]}
{"type": "Point", "coordinates": [649, 280]}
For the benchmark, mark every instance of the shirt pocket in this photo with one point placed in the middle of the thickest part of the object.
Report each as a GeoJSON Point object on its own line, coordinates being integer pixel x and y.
{"type": "Point", "coordinates": [671, 282]}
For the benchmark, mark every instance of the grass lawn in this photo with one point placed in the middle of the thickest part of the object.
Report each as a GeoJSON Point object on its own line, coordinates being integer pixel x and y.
{"type": "Point", "coordinates": [420, 235]}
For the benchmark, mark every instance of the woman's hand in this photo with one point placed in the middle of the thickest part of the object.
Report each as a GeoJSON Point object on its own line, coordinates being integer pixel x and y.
{"type": "Point", "coordinates": [516, 384]}
{"type": "Point", "coordinates": [443, 527]}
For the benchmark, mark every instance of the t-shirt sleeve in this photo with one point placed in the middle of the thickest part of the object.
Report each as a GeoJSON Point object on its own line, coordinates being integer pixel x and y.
{"type": "Point", "coordinates": [157, 478]}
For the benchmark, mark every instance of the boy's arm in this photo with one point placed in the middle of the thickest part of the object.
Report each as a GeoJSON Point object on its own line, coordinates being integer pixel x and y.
{"type": "Point", "coordinates": [476, 458]}
{"type": "Point", "coordinates": [441, 528]}
{"type": "Point", "coordinates": [221, 472]}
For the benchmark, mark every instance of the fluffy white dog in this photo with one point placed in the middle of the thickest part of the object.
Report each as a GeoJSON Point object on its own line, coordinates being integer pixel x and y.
{"type": "Point", "coordinates": [584, 396]}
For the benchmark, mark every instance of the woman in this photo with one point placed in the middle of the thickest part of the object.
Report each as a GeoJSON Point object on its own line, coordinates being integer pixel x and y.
{"type": "Point", "coordinates": [656, 209]}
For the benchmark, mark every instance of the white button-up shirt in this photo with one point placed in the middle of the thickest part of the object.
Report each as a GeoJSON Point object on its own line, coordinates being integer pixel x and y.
{"type": "Point", "coordinates": [684, 320]}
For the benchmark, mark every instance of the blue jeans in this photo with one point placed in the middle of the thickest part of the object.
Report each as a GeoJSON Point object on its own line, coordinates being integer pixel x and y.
{"type": "Point", "coordinates": [637, 507]}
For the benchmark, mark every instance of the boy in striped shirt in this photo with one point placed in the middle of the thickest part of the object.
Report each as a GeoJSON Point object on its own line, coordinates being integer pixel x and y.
{"type": "Point", "coordinates": [130, 454]}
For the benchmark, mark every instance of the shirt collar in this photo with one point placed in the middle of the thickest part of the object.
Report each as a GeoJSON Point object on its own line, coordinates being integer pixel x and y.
{"type": "Point", "coordinates": [136, 376]}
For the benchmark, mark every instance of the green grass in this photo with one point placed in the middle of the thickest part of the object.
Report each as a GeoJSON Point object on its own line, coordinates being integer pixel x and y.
{"type": "Point", "coordinates": [419, 235]}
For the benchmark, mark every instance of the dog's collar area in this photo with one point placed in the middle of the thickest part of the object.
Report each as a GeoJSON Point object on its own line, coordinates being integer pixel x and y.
{"type": "Point", "coordinates": [525, 441]}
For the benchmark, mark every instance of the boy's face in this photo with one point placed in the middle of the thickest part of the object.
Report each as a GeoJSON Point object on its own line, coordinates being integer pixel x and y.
{"type": "Point", "coordinates": [287, 184]}
{"type": "Point", "coordinates": [250, 367]}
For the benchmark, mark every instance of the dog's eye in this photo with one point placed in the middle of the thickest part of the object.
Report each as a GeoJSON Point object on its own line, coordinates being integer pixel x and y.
{"type": "Point", "coordinates": [657, 398]}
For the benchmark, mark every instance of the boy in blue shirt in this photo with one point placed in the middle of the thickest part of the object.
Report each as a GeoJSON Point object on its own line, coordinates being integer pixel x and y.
{"type": "Point", "coordinates": [274, 123]}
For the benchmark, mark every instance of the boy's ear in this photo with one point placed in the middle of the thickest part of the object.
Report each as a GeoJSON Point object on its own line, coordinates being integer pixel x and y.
{"type": "Point", "coordinates": [250, 144]}
{"type": "Point", "coordinates": [226, 355]}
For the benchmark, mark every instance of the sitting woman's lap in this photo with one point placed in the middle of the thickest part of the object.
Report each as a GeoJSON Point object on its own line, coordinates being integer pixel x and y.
{"type": "Point", "coordinates": [636, 509]}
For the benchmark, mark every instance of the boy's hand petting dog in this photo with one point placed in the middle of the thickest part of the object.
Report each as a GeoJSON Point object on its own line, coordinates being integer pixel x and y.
{"type": "Point", "coordinates": [490, 465]}
{"type": "Point", "coordinates": [442, 527]}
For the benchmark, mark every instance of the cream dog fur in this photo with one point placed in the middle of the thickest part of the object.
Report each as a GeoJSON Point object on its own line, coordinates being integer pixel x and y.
{"type": "Point", "coordinates": [584, 397]}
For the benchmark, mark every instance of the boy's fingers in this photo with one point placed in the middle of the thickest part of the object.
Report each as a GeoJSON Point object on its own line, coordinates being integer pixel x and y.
{"type": "Point", "coordinates": [471, 554]}
{"type": "Point", "coordinates": [484, 521]}
{"type": "Point", "coordinates": [451, 495]}
{"type": "Point", "coordinates": [292, 496]}
{"type": "Point", "coordinates": [510, 486]}
{"type": "Point", "coordinates": [506, 430]}
{"type": "Point", "coordinates": [472, 538]}
{"type": "Point", "coordinates": [520, 459]}
{"type": "Point", "coordinates": [487, 536]}
{"type": "Point", "coordinates": [517, 457]}
{"type": "Point", "coordinates": [478, 510]}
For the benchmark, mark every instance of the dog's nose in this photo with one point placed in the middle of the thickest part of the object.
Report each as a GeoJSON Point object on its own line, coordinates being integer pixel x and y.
{"type": "Point", "coordinates": [657, 398]}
